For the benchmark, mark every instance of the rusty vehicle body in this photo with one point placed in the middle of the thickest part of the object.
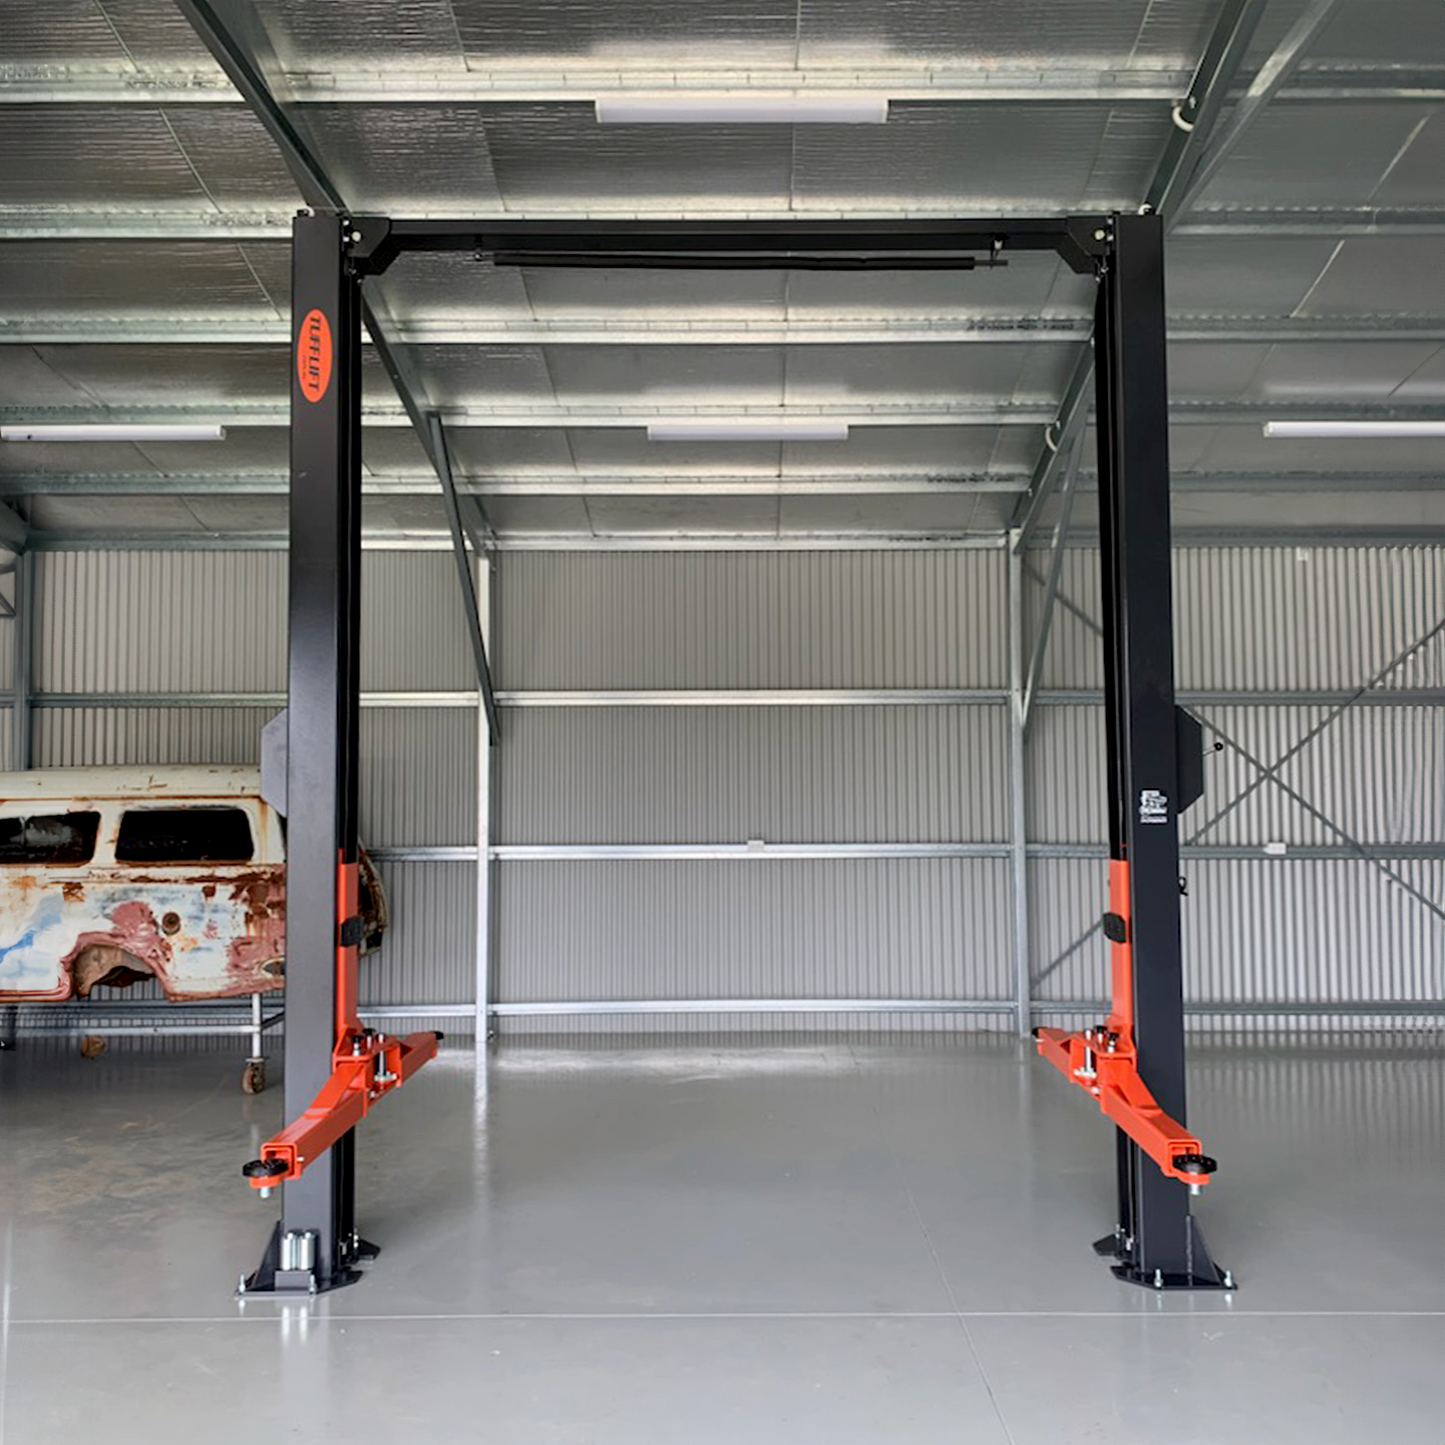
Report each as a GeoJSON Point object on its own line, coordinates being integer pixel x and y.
{"type": "Point", "coordinates": [112, 875]}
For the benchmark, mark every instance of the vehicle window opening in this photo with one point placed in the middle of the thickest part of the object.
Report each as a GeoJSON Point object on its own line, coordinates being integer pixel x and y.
{"type": "Point", "coordinates": [184, 835]}
{"type": "Point", "coordinates": [55, 838]}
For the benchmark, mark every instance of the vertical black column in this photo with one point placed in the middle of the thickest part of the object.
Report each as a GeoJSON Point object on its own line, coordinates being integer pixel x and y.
{"type": "Point", "coordinates": [1157, 1233]}
{"type": "Point", "coordinates": [322, 700]}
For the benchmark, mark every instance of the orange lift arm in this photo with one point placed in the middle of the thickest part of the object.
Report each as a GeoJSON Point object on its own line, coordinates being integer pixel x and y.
{"type": "Point", "coordinates": [365, 1065]}
{"type": "Point", "coordinates": [1104, 1061]}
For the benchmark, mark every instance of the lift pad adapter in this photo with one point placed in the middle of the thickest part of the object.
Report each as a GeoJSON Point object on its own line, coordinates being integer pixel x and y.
{"type": "Point", "coordinates": [1104, 1060]}
{"type": "Point", "coordinates": [365, 1065]}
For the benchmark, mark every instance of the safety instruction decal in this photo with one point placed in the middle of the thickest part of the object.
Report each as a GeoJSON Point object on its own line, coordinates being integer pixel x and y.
{"type": "Point", "coordinates": [1153, 806]}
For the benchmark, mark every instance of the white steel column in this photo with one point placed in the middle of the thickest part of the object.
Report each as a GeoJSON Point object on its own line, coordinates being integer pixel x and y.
{"type": "Point", "coordinates": [22, 662]}
{"type": "Point", "coordinates": [486, 605]}
{"type": "Point", "coordinates": [1018, 818]}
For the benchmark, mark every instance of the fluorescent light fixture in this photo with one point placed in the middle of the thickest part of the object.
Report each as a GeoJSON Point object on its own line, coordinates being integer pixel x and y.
{"type": "Point", "coordinates": [785, 109]}
{"type": "Point", "coordinates": [747, 431]}
{"type": "Point", "coordinates": [1354, 428]}
{"type": "Point", "coordinates": [113, 432]}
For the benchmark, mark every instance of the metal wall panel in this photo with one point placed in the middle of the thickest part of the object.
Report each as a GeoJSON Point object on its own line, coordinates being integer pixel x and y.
{"type": "Point", "coordinates": [1304, 930]}
{"type": "Point", "coordinates": [1312, 929]}
{"type": "Point", "coordinates": [114, 622]}
{"type": "Point", "coordinates": [216, 621]}
{"type": "Point", "coordinates": [1305, 617]}
{"type": "Point", "coordinates": [1249, 620]}
{"type": "Point", "coordinates": [752, 620]}
{"type": "Point", "coordinates": [430, 950]}
{"type": "Point", "coordinates": [1075, 656]}
{"type": "Point", "coordinates": [161, 622]}
{"type": "Point", "coordinates": [1067, 791]}
{"type": "Point", "coordinates": [916, 928]}
{"type": "Point", "coordinates": [418, 777]}
{"type": "Point", "coordinates": [1253, 620]}
{"type": "Point", "coordinates": [1258, 618]}
{"type": "Point", "coordinates": [73, 737]}
{"type": "Point", "coordinates": [1374, 772]}
{"type": "Point", "coordinates": [413, 629]}
{"type": "Point", "coordinates": [7, 642]}
{"type": "Point", "coordinates": [724, 775]}
{"type": "Point", "coordinates": [418, 767]}
{"type": "Point", "coordinates": [1068, 956]}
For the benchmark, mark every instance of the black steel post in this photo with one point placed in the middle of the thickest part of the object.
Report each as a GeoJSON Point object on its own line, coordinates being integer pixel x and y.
{"type": "Point", "coordinates": [322, 713]}
{"type": "Point", "coordinates": [1158, 1242]}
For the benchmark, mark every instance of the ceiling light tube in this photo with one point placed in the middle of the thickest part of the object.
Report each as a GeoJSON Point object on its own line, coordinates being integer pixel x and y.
{"type": "Point", "coordinates": [114, 432]}
{"type": "Point", "coordinates": [1354, 428]}
{"type": "Point", "coordinates": [787, 109]}
{"type": "Point", "coordinates": [747, 431]}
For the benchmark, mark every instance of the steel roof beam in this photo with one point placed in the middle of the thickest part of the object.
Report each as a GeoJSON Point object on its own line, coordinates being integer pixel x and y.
{"type": "Point", "coordinates": [90, 223]}
{"type": "Point", "coordinates": [262, 327]}
{"type": "Point", "coordinates": [612, 484]}
{"type": "Point", "coordinates": [324, 82]}
{"type": "Point", "coordinates": [624, 414]}
{"type": "Point", "coordinates": [377, 540]}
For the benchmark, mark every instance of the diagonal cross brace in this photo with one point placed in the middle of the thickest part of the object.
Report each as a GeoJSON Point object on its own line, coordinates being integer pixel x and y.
{"type": "Point", "coordinates": [1268, 774]}
{"type": "Point", "coordinates": [1315, 731]}
{"type": "Point", "coordinates": [1051, 587]}
{"type": "Point", "coordinates": [464, 572]}
{"type": "Point", "coordinates": [247, 73]}
{"type": "Point", "coordinates": [1197, 147]}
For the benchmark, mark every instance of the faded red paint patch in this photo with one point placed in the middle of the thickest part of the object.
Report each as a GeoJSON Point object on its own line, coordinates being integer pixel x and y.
{"type": "Point", "coordinates": [133, 930]}
{"type": "Point", "coordinates": [253, 956]}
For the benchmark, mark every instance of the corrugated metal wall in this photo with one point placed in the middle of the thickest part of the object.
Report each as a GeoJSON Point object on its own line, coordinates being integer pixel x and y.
{"type": "Point", "coordinates": [752, 620]}
{"type": "Point", "coordinates": [1260, 630]}
{"type": "Point", "coordinates": [905, 752]}
{"type": "Point", "coordinates": [125, 638]}
{"type": "Point", "coordinates": [682, 771]}
{"type": "Point", "coordinates": [1273, 624]}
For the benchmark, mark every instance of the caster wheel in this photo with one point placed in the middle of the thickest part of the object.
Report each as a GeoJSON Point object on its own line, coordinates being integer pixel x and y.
{"type": "Point", "coordinates": [253, 1077]}
{"type": "Point", "coordinates": [92, 1046]}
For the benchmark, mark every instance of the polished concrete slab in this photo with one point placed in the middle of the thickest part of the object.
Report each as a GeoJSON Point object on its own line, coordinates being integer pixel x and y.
{"type": "Point", "coordinates": [693, 1241]}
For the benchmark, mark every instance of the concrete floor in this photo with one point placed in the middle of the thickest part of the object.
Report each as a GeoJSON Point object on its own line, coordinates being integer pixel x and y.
{"type": "Point", "coordinates": [798, 1242]}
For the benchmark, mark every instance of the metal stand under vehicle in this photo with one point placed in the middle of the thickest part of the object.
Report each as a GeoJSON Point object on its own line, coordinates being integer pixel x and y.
{"type": "Point", "coordinates": [1133, 1065]}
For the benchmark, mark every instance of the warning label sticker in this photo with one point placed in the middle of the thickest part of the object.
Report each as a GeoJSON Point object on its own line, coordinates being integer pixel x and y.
{"type": "Point", "coordinates": [1153, 806]}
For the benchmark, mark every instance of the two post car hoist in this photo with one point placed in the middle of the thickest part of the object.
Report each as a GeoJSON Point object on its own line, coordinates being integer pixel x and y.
{"type": "Point", "coordinates": [1133, 1064]}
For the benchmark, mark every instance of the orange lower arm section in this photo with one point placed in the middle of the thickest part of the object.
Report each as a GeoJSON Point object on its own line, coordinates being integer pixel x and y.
{"type": "Point", "coordinates": [1111, 1075]}
{"type": "Point", "coordinates": [365, 1067]}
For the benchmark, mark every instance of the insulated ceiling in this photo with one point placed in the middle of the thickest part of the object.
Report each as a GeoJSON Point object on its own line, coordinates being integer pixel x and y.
{"type": "Point", "coordinates": [144, 217]}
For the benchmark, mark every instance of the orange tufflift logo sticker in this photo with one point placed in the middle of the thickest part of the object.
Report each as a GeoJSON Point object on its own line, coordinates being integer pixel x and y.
{"type": "Point", "coordinates": [313, 356]}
